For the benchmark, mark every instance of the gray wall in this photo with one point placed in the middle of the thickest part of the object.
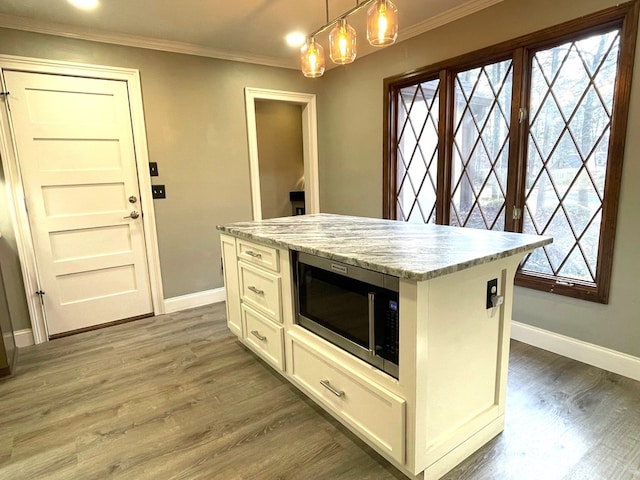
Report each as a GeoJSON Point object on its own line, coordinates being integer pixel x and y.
{"type": "Point", "coordinates": [196, 131]}
{"type": "Point", "coordinates": [279, 132]}
{"type": "Point", "coordinates": [350, 130]}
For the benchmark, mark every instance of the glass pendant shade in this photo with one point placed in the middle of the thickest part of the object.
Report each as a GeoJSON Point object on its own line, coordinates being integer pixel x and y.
{"type": "Point", "coordinates": [342, 43]}
{"type": "Point", "coordinates": [382, 23]}
{"type": "Point", "coordinates": [312, 59]}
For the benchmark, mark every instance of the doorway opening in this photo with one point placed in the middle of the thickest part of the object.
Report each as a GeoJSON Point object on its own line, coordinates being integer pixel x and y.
{"type": "Point", "coordinates": [276, 183]}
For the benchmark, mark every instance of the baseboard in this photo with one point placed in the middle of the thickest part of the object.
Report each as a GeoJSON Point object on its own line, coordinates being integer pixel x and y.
{"type": "Point", "coordinates": [23, 338]}
{"type": "Point", "coordinates": [601, 357]}
{"type": "Point", "coordinates": [198, 299]}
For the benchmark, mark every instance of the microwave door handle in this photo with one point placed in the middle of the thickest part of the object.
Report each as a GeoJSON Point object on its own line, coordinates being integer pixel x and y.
{"type": "Point", "coordinates": [372, 323]}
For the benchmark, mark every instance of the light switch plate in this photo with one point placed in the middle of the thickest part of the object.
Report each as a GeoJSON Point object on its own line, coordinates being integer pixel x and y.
{"type": "Point", "coordinates": [158, 191]}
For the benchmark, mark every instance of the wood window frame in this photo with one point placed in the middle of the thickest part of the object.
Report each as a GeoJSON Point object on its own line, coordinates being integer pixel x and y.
{"type": "Point", "coordinates": [520, 51]}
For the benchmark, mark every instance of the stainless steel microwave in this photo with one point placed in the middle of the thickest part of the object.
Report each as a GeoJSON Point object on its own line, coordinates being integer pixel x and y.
{"type": "Point", "coordinates": [354, 308]}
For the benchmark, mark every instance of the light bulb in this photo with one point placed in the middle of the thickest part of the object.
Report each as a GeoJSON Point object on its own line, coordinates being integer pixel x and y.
{"type": "Point", "coordinates": [312, 59]}
{"type": "Point", "coordinates": [342, 43]}
{"type": "Point", "coordinates": [382, 23]}
{"type": "Point", "coordinates": [84, 4]}
{"type": "Point", "coordinates": [295, 39]}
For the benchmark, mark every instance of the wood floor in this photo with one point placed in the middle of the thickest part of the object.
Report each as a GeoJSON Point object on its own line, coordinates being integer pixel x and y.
{"type": "Point", "coordinates": [177, 397]}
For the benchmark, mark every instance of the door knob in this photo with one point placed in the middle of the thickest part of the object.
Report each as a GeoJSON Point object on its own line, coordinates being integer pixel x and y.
{"type": "Point", "coordinates": [133, 214]}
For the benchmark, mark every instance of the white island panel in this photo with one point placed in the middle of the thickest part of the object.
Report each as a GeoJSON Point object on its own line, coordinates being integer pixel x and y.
{"type": "Point", "coordinates": [449, 398]}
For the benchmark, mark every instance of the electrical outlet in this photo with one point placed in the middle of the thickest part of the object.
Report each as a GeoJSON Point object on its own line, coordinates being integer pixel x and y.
{"type": "Point", "coordinates": [492, 289]}
{"type": "Point", "coordinates": [158, 191]}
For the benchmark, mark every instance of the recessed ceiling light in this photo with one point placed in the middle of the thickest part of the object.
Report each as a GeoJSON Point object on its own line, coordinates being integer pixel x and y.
{"type": "Point", "coordinates": [85, 4]}
{"type": "Point", "coordinates": [295, 39]}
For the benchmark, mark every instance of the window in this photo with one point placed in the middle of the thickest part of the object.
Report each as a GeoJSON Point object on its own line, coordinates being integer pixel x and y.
{"type": "Point", "coordinates": [529, 140]}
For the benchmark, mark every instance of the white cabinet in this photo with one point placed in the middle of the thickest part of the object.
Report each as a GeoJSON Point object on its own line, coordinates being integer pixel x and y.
{"type": "Point", "coordinates": [264, 337]}
{"type": "Point", "coordinates": [230, 268]}
{"type": "Point", "coordinates": [449, 397]}
{"type": "Point", "coordinates": [371, 410]}
{"type": "Point", "coordinates": [254, 297]}
{"type": "Point", "coordinates": [261, 290]}
{"type": "Point", "coordinates": [260, 312]}
{"type": "Point", "coordinates": [265, 257]}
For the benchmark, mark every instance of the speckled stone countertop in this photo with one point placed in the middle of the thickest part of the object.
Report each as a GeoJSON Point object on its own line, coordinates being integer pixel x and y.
{"type": "Point", "coordinates": [407, 250]}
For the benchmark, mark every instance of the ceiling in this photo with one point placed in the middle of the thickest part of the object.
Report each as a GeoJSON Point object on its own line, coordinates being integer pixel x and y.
{"type": "Point", "coordinates": [242, 30]}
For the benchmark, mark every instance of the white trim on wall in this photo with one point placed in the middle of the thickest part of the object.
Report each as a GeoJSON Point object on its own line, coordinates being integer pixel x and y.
{"type": "Point", "coordinates": [23, 338]}
{"type": "Point", "coordinates": [448, 16]}
{"type": "Point", "coordinates": [309, 144]}
{"type": "Point", "coordinates": [601, 357]}
{"type": "Point", "coordinates": [90, 34]}
{"type": "Point", "coordinates": [160, 44]}
{"type": "Point", "coordinates": [192, 300]}
{"type": "Point", "coordinates": [16, 195]}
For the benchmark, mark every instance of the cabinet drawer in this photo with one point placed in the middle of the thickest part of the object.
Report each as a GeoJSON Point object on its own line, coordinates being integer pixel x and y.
{"type": "Point", "coordinates": [264, 337]}
{"type": "Point", "coordinates": [261, 290]}
{"type": "Point", "coordinates": [266, 257]}
{"type": "Point", "coordinates": [373, 411]}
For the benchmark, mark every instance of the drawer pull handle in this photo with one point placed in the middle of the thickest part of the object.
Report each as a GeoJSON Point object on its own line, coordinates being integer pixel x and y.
{"type": "Point", "coordinates": [327, 385]}
{"type": "Point", "coordinates": [253, 254]}
{"type": "Point", "coordinates": [255, 290]}
{"type": "Point", "coordinates": [256, 334]}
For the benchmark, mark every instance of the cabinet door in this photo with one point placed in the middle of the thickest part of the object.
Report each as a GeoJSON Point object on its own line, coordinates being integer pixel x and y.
{"type": "Point", "coordinates": [230, 265]}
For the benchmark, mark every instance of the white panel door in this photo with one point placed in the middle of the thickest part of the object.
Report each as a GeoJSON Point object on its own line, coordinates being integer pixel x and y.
{"type": "Point", "coordinates": [75, 150]}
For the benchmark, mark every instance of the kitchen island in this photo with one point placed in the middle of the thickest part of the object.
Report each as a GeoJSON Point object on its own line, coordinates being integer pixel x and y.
{"type": "Point", "coordinates": [449, 395]}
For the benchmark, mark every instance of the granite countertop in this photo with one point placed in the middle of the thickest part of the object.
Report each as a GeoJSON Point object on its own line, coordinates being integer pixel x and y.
{"type": "Point", "coordinates": [407, 250]}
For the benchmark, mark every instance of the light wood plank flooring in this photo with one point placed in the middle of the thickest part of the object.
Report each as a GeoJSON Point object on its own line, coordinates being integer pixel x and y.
{"type": "Point", "coordinates": [177, 397]}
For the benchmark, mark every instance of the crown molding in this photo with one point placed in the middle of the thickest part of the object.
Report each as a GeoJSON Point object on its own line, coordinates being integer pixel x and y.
{"type": "Point", "coordinates": [445, 17]}
{"type": "Point", "coordinates": [80, 33]}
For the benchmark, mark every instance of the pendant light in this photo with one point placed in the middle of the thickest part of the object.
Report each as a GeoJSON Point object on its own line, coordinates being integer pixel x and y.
{"type": "Point", "coordinates": [382, 30]}
{"type": "Point", "coordinates": [342, 43]}
{"type": "Point", "coordinates": [312, 59]}
{"type": "Point", "coordinates": [382, 23]}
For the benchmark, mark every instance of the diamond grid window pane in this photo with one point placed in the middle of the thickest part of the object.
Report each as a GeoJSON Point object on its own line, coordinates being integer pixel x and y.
{"type": "Point", "coordinates": [570, 122]}
{"type": "Point", "coordinates": [481, 146]}
{"type": "Point", "coordinates": [417, 152]}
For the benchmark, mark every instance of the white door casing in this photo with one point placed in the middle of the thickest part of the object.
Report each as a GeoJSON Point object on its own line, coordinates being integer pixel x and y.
{"type": "Point", "coordinates": [63, 212]}
{"type": "Point", "coordinates": [309, 144]}
{"type": "Point", "coordinates": [75, 151]}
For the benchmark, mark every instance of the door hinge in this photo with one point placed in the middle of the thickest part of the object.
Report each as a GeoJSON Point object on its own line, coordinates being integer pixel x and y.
{"type": "Point", "coordinates": [5, 95]}
{"type": "Point", "coordinates": [522, 115]}
{"type": "Point", "coordinates": [40, 293]}
{"type": "Point", "coordinates": [517, 213]}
